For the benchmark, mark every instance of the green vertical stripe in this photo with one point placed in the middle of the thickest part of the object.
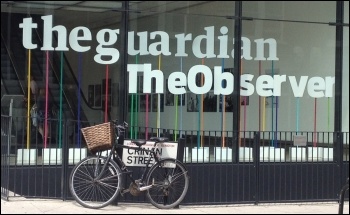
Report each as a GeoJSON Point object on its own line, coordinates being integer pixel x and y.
{"type": "Point", "coordinates": [136, 114]}
{"type": "Point", "coordinates": [132, 117]}
{"type": "Point", "coordinates": [175, 126]}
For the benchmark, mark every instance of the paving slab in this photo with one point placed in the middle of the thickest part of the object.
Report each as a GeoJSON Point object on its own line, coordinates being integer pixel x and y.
{"type": "Point", "coordinates": [20, 205]}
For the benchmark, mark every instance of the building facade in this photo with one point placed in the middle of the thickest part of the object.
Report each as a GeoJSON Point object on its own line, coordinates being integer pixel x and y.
{"type": "Point", "coordinates": [182, 65]}
{"type": "Point", "coordinates": [189, 69]}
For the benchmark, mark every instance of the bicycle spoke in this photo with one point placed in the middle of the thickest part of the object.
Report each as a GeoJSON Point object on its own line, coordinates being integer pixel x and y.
{"type": "Point", "coordinates": [93, 184]}
{"type": "Point", "coordinates": [170, 184]}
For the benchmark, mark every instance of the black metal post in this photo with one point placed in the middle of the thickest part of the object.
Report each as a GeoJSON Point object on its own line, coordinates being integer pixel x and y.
{"type": "Point", "coordinates": [124, 28]}
{"type": "Point", "coordinates": [237, 76]}
{"type": "Point", "coordinates": [256, 156]}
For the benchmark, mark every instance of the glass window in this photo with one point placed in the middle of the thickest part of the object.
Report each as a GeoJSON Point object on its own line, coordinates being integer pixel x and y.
{"type": "Point", "coordinates": [300, 60]}
{"type": "Point", "coordinates": [61, 45]}
{"type": "Point", "coordinates": [180, 65]}
{"type": "Point", "coordinates": [295, 11]}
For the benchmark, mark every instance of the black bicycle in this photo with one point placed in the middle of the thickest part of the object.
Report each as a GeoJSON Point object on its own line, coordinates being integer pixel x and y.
{"type": "Point", "coordinates": [97, 180]}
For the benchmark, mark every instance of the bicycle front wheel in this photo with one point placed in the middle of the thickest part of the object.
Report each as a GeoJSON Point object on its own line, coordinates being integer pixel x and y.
{"type": "Point", "coordinates": [92, 191]}
{"type": "Point", "coordinates": [170, 180]}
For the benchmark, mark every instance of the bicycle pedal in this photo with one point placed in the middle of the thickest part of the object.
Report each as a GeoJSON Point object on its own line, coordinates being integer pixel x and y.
{"type": "Point", "coordinates": [124, 191]}
{"type": "Point", "coordinates": [144, 188]}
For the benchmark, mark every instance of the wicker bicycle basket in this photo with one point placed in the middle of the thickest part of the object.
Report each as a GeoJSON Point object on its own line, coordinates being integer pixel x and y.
{"type": "Point", "coordinates": [99, 137]}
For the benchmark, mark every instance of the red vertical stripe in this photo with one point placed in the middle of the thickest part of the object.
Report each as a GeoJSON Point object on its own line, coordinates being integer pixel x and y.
{"type": "Point", "coordinates": [106, 95]}
{"type": "Point", "coordinates": [46, 98]}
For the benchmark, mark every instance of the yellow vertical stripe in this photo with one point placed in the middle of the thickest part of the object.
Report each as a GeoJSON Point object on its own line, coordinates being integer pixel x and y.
{"type": "Point", "coordinates": [201, 112]}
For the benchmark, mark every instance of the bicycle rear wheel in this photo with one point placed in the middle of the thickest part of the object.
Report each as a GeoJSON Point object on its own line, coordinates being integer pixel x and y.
{"type": "Point", "coordinates": [90, 191]}
{"type": "Point", "coordinates": [170, 183]}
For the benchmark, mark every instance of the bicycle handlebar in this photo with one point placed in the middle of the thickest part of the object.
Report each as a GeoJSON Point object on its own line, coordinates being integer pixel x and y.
{"type": "Point", "coordinates": [122, 127]}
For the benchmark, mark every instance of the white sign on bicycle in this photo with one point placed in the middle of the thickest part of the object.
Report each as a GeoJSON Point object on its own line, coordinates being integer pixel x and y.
{"type": "Point", "coordinates": [132, 157]}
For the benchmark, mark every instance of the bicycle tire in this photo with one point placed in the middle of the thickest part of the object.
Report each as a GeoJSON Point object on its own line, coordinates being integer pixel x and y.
{"type": "Point", "coordinates": [342, 193]}
{"type": "Point", "coordinates": [171, 180]}
{"type": "Point", "coordinates": [88, 191]}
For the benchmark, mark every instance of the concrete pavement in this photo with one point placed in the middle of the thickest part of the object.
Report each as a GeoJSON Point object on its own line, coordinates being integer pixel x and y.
{"type": "Point", "coordinates": [21, 205]}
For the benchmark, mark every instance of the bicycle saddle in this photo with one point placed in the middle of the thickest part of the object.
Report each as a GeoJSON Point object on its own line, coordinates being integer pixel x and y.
{"type": "Point", "coordinates": [139, 142]}
{"type": "Point", "coordinates": [159, 139]}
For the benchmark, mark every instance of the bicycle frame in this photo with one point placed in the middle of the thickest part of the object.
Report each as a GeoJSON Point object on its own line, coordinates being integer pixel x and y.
{"type": "Point", "coordinates": [123, 167]}
{"type": "Point", "coordinates": [120, 162]}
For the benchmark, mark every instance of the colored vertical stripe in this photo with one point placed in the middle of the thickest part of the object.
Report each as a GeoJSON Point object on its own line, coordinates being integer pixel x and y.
{"type": "Point", "coordinates": [276, 121]}
{"type": "Point", "coordinates": [176, 116]}
{"type": "Point", "coordinates": [263, 123]}
{"type": "Point", "coordinates": [199, 122]}
{"type": "Point", "coordinates": [272, 121]}
{"type": "Point", "coordinates": [147, 123]}
{"type": "Point", "coordinates": [177, 108]}
{"type": "Point", "coordinates": [328, 113]}
{"type": "Point", "coordinates": [28, 98]}
{"type": "Point", "coordinates": [136, 114]}
{"type": "Point", "coordinates": [135, 108]}
{"type": "Point", "coordinates": [106, 94]}
{"type": "Point", "coordinates": [147, 110]}
{"type": "Point", "coordinates": [244, 109]}
{"type": "Point", "coordinates": [276, 113]}
{"type": "Point", "coordinates": [259, 99]}
{"type": "Point", "coordinates": [223, 108]}
{"type": "Point", "coordinates": [202, 112]}
{"type": "Point", "coordinates": [315, 120]}
{"type": "Point", "coordinates": [46, 98]}
{"type": "Point", "coordinates": [181, 109]}
{"type": "Point", "coordinates": [272, 113]}
{"type": "Point", "coordinates": [297, 114]}
{"type": "Point", "coordinates": [223, 144]}
{"type": "Point", "coordinates": [158, 100]}
{"type": "Point", "coordinates": [239, 105]}
{"type": "Point", "coordinates": [60, 112]}
{"type": "Point", "coordinates": [80, 63]}
{"type": "Point", "coordinates": [245, 113]}
{"type": "Point", "coordinates": [264, 114]}
{"type": "Point", "coordinates": [132, 116]}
